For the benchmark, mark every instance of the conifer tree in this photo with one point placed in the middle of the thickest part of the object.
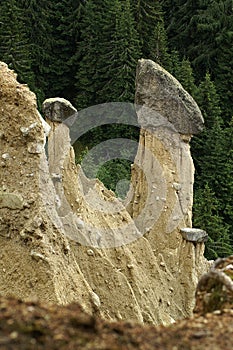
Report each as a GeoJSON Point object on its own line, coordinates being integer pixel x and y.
{"type": "Point", "coordinates": [118, 65]}
{"type": "Point", "coordinates": [182, 70]}
{"type": "Point", "coordinates": [207, 145]}
{"type": "Point", "coordinates": [208, 98]}
{"type": "Point", "coordinates": [39, 34]}
{"type": "Point", "coordinates": [213, 159]}
{"type": "Point", "coordinates": [157, 42]}
{"type": "Point", "coordinates": [149, 19]}
{"type": "Point", "coordinates": [223, 70]}
{"type": "Point", "coordinates": [52, 31]}
{"type": "Point", "coordinates": [15, 49]}
{"type": "Point", "coordinates": [96, 29]}
{"type": "Point", "coordinates": [207, 216]}
{"type": "Point", "coordinates": [107, 53]}
{"type": "Point", "coordinates": [224, 174]}
{"type": "Point", "coordinates": [203, 32]}
{"type": "Point", "coordinates": [64, 16]}
{"type": "Point", "coordinates": [180, 29]}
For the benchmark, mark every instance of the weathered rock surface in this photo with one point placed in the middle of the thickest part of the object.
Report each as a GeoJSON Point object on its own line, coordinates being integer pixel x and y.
{"type": "Point", "coordinates": [11, 201]}
{"type": "Point", "coordinates": [58, 109]}
{"type": "Point", "coordinates": [215, 288]}
{"type": "Point", "coordinates": [151, 279]}
{"type": "Point", "coordinates": [194, 234]}
{"type": "Point", "coordinates": [161, 196]}
{"type": "Point", "coordinates": [33, 325]}
{"type": "Point", "coordinates": [161, 92]}
{"type": "Point", "coordinates": [35, 260]}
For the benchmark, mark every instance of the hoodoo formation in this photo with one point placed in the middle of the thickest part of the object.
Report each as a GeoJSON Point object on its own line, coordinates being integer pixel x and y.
{"type": "Point", "coordinates": [60, 232]}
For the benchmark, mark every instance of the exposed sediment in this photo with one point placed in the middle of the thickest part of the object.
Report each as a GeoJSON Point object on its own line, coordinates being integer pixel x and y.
{"type": "Point", "coordinates": [61, 233]}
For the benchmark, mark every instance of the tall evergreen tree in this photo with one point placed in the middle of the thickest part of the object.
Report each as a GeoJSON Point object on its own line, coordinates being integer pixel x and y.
{"type": "Point", "coordinates": [209, 100]}
{"type": "Point", "coordinates": [214, 27]}
{"type": "Point", "coordinates": [182, 70]}
{"type": "Point", "coordinates": [107, 53]}
{"type": "Point", "coordinates": [206, 152]}
{"type": "Point", "coordinates": [39, 34]}
{"type": "Point", "coordinates": [63, 18]}
{"type": "Point", "coordinates": [157, 42]}
{"type": "Point", "coordinates": [213, 158]}
{"type": "Point", "coordinates": [152, 33]}
{"type": "Point", "coordinates": [52, 31]}
{"type": "Point", "coordinates": [118, 64]}
{"type": "Point", "coordinates": [224, 174]}
{"type": "Point", "coordinates": [15, 48]}
{"type": "Point", "coordinates": [149, 19]}
{"type": "Point", "coordinates": [203, 32]}
{"type": "Point", "coordinates": [96, 29]}
{"type": "Point", "coordinates": [178, 22]}
{"type": "Point", "coordinates": [206, 215]}
{"type": "Point", "coordinates": [223, 71]}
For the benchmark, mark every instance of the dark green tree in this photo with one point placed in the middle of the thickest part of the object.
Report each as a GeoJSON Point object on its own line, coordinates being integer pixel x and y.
{"type": "Point", "coordinates": [182, 70]}
{"type": "Point", "coordinates": [224, 174]}
{"type": "Point", "coordinates": [206, 215]}
{"type": "Point", "coordinates": [118, 64]}
{"type": "Point", "coordinates": [63, 18]}
{"type": "Point", "coordinates": [208, 99]}
{"type": "Point", "coordinates": [203, 32]}
{"type": "Point", "coordinates": [212, 153]}
{"type": "Point", "coordinates": [223, 71]}
{"type": "Point", "coordinates": [97, 26]}
{"type": "Point", "coordinates": [149, 19]}
{"type": "Point", "coordinates": [159, 46]}
{"type": "Point", "coordinates": [214, 28]}
{"type": "Point", "coordinates": [39, 35]}
{"type": "Point", "coordinates": [208, 143]}
{"type": "Point", "coordinates": [178, 23]}
{"type": "Point", "coordinates": [15, 48]}
{"type": "Point", "coordinates": [107, 53]}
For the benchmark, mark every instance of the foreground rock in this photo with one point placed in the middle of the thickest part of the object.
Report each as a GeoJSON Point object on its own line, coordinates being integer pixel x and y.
{"type": "Point", "coordinates": [215, 288]}
{"type": "Point", "coordinates": [34, 325]}
{"type": "Point", "coordinates": [49, 206]}
{"type": "Point", "coordinates": [25, 326]}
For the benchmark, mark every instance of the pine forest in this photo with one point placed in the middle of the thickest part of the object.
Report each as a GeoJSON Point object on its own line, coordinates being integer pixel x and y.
{"type": "Point", "coordinates": [87, 51]}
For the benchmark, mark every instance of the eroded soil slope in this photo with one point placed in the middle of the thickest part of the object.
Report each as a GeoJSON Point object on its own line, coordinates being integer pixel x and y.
{"type": "Point", "coordinates": [33, 326]}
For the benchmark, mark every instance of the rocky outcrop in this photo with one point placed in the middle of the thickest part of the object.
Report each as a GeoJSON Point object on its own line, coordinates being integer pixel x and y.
{"type": "Point", "coordinates": [161, 194]}
{"type": "Point", "coordinates": [161, 92]}
{"type": "Point", "coordinates": [194, 235]}
{"type": "Point", "coordinates": [35, 258]}
{"type": "Point", "coordinates": [58, 109]}
{"type": "Point", "coordinates": [61, 234]}
{"type": "Point", "coordinates": [215, 289]}
{"type": "Point", "coordinates": [33, 325]}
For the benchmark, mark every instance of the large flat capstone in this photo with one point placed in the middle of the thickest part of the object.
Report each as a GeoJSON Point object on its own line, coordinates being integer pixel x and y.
{"type": "Point", "coordinates": [165, 96]}
{"type": "Point", "coordinates": [194, 235]}
{"type": "Point", "coordinates": [58, 109]}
